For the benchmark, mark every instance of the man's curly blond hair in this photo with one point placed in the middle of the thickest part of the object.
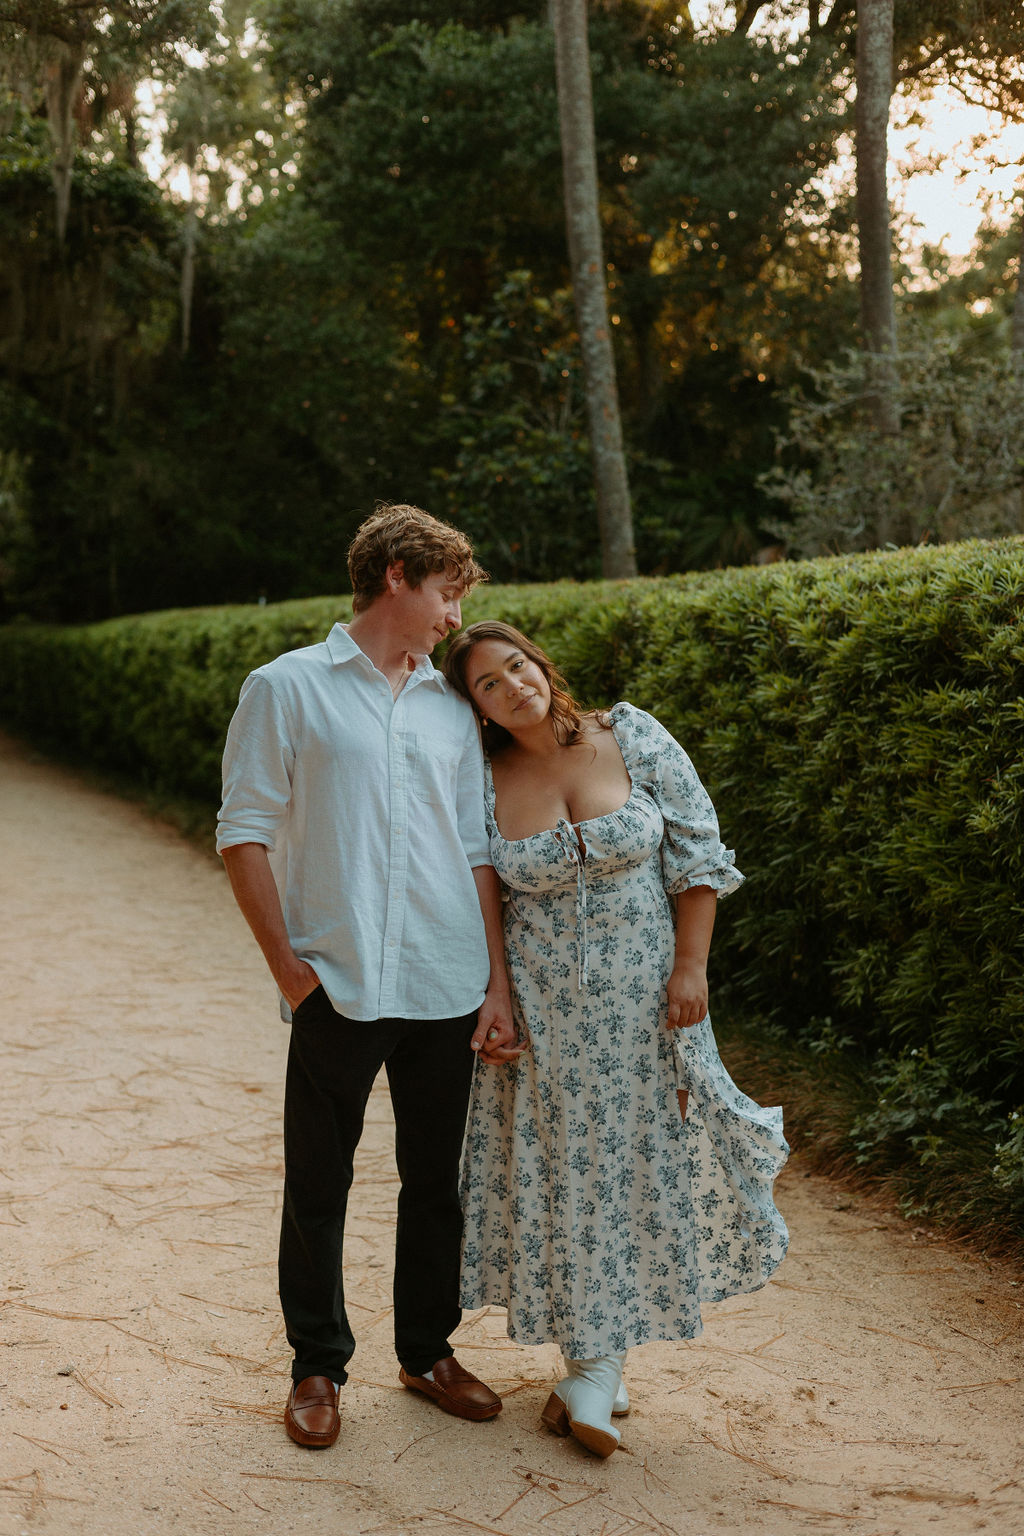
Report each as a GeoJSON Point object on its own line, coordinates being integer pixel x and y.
{"type": "Point", "coordinates": [422, 543]}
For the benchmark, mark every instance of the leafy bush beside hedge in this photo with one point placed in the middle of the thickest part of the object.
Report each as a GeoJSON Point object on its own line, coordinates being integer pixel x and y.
{"type": "Point", "coordinates": [860, 724]}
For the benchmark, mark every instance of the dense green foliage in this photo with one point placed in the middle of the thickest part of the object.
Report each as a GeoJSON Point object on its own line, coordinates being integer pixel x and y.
{"type": "Point", "coordinates": [859, 722]}
{"type": "Point", "coordinates": [357, 288]}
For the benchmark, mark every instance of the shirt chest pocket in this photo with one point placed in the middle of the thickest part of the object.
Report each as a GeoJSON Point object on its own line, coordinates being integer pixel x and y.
{"type": "Point", "coordinates": [433, 765]}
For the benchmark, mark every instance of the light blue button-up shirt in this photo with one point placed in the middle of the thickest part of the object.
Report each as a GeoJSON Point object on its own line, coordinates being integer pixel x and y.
{"type": "Point", "coordinates": [372, 810]}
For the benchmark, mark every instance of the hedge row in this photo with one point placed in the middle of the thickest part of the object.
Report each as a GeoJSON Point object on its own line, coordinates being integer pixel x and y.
{"type": "Point", "coordinates": [860, 724]}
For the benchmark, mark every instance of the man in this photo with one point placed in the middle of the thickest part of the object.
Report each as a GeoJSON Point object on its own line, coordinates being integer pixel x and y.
{"type": "Point", "coordinates": [352, 832]}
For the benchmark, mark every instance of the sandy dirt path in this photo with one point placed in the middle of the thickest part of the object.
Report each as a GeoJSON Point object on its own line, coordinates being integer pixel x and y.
{"type": "Point", "coordinates": [874, 1388]}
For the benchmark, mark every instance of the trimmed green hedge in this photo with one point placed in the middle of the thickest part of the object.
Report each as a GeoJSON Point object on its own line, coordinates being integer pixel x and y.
{"type": "Point", "coordinates": [149, 695]}
{"type": "Point", "coordinates": [860, 724]}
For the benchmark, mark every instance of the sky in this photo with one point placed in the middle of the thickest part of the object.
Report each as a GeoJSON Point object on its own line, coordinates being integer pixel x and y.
{"type": "Point", "coordinates": [949, 198]}
{"type": "Point", "coordinates": [951, 202]}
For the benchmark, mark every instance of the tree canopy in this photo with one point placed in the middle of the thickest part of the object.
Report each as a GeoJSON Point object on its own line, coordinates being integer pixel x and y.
{"type": "Point", "coordinates": [266, 262]}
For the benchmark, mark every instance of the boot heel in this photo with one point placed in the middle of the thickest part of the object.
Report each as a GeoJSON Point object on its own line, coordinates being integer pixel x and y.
{"type": "Point", "coordinates": [553, 1414]}
{"type": "Point", "coordinates": [597, 1439]}
{"type": "Point", "coordinates": [590, 1401]}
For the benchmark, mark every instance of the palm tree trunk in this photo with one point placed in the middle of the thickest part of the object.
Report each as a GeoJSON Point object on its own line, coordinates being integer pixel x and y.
{"type": "Point", "coordinates": [878, 312]}
{"type": "Point", "coordinates": [189, 241]}
{"type": "Point", "coordinates": [579, 162]}
{"type": "Point", "coordinates": [1017, 329]}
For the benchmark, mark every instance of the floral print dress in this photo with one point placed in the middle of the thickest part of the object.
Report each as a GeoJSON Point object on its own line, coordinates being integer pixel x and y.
{"type": "Point", "coordinates": [593, 1212]}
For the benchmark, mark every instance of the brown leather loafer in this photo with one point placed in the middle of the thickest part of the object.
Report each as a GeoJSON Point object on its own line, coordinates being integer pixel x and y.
{"type": "Point", "coordinates": [311, 1417]}
{"type": "Point", "coordinates": [455, 1390]}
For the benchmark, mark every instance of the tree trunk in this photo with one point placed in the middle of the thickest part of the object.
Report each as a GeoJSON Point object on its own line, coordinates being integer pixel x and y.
{"type": "Point", "coordinates": [746, 15]}
{"type": "Point", "coordinates": [63, 83]}
{"type": "Point", "coordinates": [189, 241]}
{"type": "Point", "coordinates": [877, 308]}
{"type": "Point", "coordinates": [1017, 331]}
{"type": "Point", "coordinates": [131, 141]}
{"type": "Point", "coordinates": [579, 162]}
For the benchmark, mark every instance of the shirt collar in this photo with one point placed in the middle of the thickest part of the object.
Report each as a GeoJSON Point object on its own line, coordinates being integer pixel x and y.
{"type": "Point", "coordinates": [342, 648]}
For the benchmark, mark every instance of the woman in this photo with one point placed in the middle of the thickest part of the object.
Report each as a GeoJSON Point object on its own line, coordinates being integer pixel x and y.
{"type": "Point", "coordinates": [614, 1177]}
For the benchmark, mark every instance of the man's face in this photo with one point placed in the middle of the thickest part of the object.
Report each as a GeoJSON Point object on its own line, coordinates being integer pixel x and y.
{"type": "Point", "coordinates": [430, 611]}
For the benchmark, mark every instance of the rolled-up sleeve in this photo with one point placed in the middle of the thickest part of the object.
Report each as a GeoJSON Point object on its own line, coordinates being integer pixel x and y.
{"type": "Point", "coordinates": [259, 761]}
{"type": "Point", "coordinates": [692, 851]}
{"type": "Point", "coordinates": [469, 800]}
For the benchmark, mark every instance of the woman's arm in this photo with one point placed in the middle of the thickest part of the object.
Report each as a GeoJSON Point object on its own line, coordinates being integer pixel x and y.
{"type": "Point", "coordinates": [495, 1033]}
{"type": "Point", "coordinates": [688, 983]}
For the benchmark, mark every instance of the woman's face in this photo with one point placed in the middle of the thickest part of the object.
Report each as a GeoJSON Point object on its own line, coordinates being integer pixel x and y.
{"type": "Point", "coordinates": [506, 686]}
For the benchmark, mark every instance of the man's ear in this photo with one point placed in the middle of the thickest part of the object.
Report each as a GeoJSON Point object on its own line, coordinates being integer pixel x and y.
{"type": "Point", "coordinates": [394, 575]}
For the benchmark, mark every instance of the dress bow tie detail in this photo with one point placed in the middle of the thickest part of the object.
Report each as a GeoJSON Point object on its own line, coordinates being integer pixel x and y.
{"type": "Point", "coordinates": [570, 840]}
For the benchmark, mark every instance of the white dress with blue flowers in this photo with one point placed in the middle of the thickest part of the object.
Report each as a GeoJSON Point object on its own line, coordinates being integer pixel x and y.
{"type": "Point", "coordinates": [593, 1212]}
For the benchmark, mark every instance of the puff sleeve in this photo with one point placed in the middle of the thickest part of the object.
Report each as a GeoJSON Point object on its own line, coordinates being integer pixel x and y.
{"type": "Point", "coordinates": [692, 852]}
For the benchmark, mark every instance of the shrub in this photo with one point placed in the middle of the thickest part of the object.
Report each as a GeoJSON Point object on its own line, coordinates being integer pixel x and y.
{"type": "Point", "coordinates": [953, 471]}
{"type": "Point", "coordinates": [860, 725]}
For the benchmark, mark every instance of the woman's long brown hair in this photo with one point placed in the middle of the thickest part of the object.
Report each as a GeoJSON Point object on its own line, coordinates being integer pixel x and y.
{"type": "Point", "coordinates": [566, 714]}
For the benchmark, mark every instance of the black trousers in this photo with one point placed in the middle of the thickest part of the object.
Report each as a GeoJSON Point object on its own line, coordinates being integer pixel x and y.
{"type": "Point", "coordinates": [332, 1063]}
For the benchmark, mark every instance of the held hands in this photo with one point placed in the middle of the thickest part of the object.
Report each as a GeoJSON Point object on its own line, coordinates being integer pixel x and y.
{"type": "Point", "coordinates": [494, 1038]}
{"type": "Point", "coordinates": [687, 994]}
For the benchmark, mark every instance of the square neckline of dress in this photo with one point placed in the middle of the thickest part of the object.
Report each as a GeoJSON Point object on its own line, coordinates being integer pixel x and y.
{"type": "Point", "coordinates": [589, 821]}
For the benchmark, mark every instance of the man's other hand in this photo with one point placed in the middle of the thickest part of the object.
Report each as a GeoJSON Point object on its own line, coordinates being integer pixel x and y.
{"type": "Point", "coordinates": [296, 982]}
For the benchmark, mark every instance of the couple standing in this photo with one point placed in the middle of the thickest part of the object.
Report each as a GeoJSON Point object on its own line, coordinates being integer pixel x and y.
{"type": "Point", "coordinates": [613, 1176]}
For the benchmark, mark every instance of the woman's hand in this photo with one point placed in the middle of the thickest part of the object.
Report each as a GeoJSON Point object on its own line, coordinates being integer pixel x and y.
{"type": "Point", "coordinates": [687, 994]}
{"type": "Point", "coordinates": [688, 984]}
{"type": "Point", "coordinates": [495, 1038]}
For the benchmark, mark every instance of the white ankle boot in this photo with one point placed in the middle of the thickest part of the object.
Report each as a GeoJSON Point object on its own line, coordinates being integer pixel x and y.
{"type": "Point", "coordinates": [585, 1400]}
{"type": "Point", "coordinates": [558, 1419]}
